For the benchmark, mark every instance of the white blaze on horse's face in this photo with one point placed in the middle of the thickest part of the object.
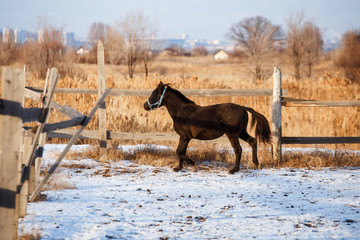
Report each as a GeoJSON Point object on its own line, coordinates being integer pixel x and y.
{"type": "Point", "coordinates": [154, 100]}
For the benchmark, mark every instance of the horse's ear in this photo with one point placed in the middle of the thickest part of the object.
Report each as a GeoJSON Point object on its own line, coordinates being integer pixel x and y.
{"type": "Point", "coordinates": [160, 86]}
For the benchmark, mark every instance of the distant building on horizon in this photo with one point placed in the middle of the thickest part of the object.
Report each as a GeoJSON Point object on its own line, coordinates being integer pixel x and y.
{"type": "Point", "coordinates": [221, 55]}
{"type": "Point", "coordinates": [69, 39]}
{"type": "Point", "coordinates": [40, 36]}
{"type": "Point", "coordinates": [15, 36]}
{"type": "Point", "coordinates": [19, 36]}
{"type": "Point", "coordinates": [7, 35]}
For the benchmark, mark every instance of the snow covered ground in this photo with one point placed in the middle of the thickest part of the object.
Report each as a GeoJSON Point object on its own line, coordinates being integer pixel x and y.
{"type": "Point", "coordinates": [127, 201]}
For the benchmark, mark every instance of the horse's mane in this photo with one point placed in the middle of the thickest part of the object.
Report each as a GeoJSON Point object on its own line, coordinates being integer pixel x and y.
{"type": "Point", "coordinates": [179, 95]}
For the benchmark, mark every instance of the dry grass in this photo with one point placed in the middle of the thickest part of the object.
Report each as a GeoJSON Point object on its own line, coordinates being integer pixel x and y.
{"type": "Point", "coordinates": [210, 156]}
{"type": "Point", "coordinates": [320, 160]}
{"type": "Point", "coordinates": [30, 236]}
{"type": "Point", "coordinates": [90, 153]}
{"type": "Point", "coordinates": [59, 181]}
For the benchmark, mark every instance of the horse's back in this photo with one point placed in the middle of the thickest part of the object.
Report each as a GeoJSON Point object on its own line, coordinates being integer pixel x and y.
{"type": "Point", "coordinates": [227, 110]}
{"type": "Point", "coordinates": [232, 115]}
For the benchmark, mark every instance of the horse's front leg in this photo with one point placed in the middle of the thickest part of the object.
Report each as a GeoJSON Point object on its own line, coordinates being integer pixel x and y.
{"type": "Point", "coordinates": [181, 153]}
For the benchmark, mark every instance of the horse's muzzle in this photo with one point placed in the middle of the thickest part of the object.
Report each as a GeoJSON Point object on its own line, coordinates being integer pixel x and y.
{"type": "Point", "coordinates": [146, 106]}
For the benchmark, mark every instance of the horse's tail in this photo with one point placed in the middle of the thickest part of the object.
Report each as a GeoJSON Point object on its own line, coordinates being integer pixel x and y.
{"type": "Point", "coordinates": [262, 130]}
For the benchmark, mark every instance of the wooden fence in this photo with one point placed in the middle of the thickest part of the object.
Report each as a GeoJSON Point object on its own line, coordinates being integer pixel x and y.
{"type": "Point", "coordinates": [279, 101]}
{"type": "Point", "coordinates": [103, 134]}
{"type": "Point", "coordinates": [21, 151]}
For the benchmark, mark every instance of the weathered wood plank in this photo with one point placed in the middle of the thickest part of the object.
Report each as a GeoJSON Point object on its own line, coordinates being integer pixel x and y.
{"type": "Point", "coordinates": [149, 136]}
{"type": "Point", "coordinates": [102, 108]}
{"type": "Point", "coordinates": [34, 95]}
{"type": "Point", "coordinates": [31, 114]}
{"type": "Point", "coordinates": [291, 102]}
{"type": "Point", "coordinates": [187, 92]}
{"type": "Point", "coordinates": [53, 81]}
{"type": "Point", "coordinates": [23, 193]}
{"type": "Point", "coordinates": [28, 138]}
{"type": "Point", "coordinates": [36, 165]}
{"type": "Point", "coordinates": [157, 136]}
{"type": "Point", "coordinates": [226, 92]}
{"type": "Point", "coordinates": [276, 116]}
{"type": "Point", "coordinates": [10, 144]}
{"type": "Point", "coordinates": [64, 124]}
{"type": "Point", "coordinates": [68, 133]}
{"type": "Point", "coordinates": [319, 140]}
{"type": "Point", "coordinates": [66, 110]}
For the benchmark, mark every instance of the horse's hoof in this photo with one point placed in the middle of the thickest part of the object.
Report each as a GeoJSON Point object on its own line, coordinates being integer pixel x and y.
{"type": "Point", "coordinates": [190, 162]}
{"type": "Point", "coordinates": [177, 169]}
{"type": "Point", "coordinates": [260, 166]}
{"type": "Point", "coordinates": [234, 170]}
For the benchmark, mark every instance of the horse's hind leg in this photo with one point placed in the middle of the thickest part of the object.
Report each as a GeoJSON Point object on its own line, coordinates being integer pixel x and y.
{"type": "Point", "coordinates": [181, 153]}
{"type": "Point", "coordinates": [253, 144]}
{"type": "Point", "coordinates": [234, 140]}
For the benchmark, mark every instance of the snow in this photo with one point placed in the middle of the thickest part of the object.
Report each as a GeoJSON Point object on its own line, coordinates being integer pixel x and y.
{"type": "Point", "coordinates": [127, 201]}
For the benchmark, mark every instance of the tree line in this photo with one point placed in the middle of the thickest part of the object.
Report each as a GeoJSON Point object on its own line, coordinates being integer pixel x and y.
{"type": "Point", "coordinates": [132, 40]}
{"type": "Point", "coordinates": [261, 39]}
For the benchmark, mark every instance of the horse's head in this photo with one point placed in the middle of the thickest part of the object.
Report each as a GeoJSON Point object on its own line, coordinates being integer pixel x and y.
{"type": "Point", "coordinates": [156, 98]}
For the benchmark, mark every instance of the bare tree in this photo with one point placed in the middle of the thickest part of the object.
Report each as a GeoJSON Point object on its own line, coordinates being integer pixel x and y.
{"type": "Point", "coordinates": [349, 56]}
{"type": "Point", "coordinates": [130, 27]}
{"type": "Point", "coordinates": [8, 51]}
{"type": "Point", "coordinates": [295, 41]}
{"type": "Point", "coordinates": [48, 51]}
{"type": "Point", "coordinates": [312, 44]}
{"type": "Point", "coordinates": [304, 42]}
{"type": "Point", "coordinates": [97, 33]}
{"type": "Point", "coordinates": [114, 46]}
{"type": "Point", "coordinates": [258, 36]}
{"type": "Point", "coordinates": [148, 42]}
{"type": "Point", "coordinates": [176, 50]}
{"type": "Point", "coordinates": [138, 34]}
{"type": "Point", "coordinates": [200, 51]}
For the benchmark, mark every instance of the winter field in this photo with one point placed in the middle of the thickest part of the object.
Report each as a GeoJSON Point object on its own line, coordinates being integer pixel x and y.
{"type": "Point", "coordinates": [122, 200]}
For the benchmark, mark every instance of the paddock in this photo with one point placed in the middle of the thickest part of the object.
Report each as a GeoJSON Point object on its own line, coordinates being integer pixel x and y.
{"type": "Point", "coordinates": [18, 164]}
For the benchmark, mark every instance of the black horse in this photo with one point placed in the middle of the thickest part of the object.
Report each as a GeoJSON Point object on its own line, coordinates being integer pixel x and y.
{"type": "Point", "coordinates": [209, 122]}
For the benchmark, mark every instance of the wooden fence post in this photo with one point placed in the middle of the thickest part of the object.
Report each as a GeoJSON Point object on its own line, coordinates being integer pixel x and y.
{"type": "Point", "coordinates": [36, 165]}
{"type": "Point", "coordinates": [53, 81]}
{"type": "Point", "coordinates": [10, 141]}
{"type": "Point", "coordinates": [24, 192]}
{"type": "Point", "coordinates": [102, 109]}
{"type": "Point", "coordinates": [276, 116]}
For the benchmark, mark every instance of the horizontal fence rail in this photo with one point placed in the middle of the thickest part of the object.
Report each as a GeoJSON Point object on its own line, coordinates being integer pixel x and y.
{"type": "Point", "coordinates": [319, 140]}
{"type": "Point", "coordinates": [148, 136]}
{"type": "Point", "coordinates": [292, 102]}
{"type": "Point", "coordinates": [187, 92]}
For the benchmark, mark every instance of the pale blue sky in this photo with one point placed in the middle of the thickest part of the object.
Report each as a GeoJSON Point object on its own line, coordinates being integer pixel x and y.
{"type": "Point", "coordinates": [202, 19]}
